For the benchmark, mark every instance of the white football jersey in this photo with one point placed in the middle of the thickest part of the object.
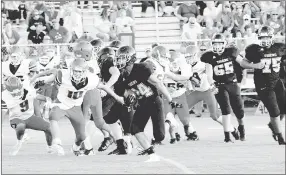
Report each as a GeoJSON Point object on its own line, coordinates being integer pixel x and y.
{"type": "Point", "coordinates": [20, 108]}
{"type": "Point", "coordinates": [178, 88]}
{"type": "Point", "coordinates": [22, 72]}
{"type": "Point", "coordinates": [52, 64]}
{"type": "Point", "coordinates": [200, 69]}
{"type": "Point", "coordinates": [68, 95]}
{"type": "Point", "coordinates": [159, 71]}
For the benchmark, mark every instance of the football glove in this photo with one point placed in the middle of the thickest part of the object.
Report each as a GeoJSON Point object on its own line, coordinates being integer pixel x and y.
{"type": "Point", "coordinates": [175, 104]}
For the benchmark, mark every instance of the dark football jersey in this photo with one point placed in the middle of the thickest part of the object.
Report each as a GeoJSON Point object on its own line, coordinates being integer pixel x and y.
{"type": "Point", "coordinates": [137, 81]}
{"type": "Point", "coordinates": [223, 65]}
{"type": "Point", "coordinates": [104, 72]}
{"type": "Point", "coordinates": [271, 57]}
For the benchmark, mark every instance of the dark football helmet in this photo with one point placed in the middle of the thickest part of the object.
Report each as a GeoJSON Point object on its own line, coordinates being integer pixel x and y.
{"type": "Point", "coordinates": [84, 50]}
{"type": "Point", "coordinates": [125, 55]}
{"type": "Point", "coordinates": [265, 36]}
{"type": "Point", "coordinates": [218, 43]}
{"type": "Point", "coordinates": [103, 54]}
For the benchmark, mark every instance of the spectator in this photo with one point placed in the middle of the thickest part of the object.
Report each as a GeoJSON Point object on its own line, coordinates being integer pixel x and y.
{"type": "Point", "coordinates": [22, 11]}
{"type": "Point", "coordinates": [281, 9]}
{"type": "Point", "coordinates": [275, 23]}
{"type": "Point", "coordinates": [186, 10]}
{"type": "Point", "coordinates": [255, 10]}
{"type": "Point", "coordinates": [50, 15]}
{"type": "Point", "coordinates": [147, 53]}
{"type": "Point", "coordinates": [226, 18]}
{"type": "Point", "coordinates": [106, 30]}
{"type": "Point", "coordinates": [73, 22]}
{"type": "Point", "coordinates": [201, 5]}
{"type": "Point", "coordinates": [11, 35]}
{"type": "Point", "coordinates": [129, 11]}
{"type": "Point", "coordinates": [247, 22]}
{"type": "Point", "coordinates": [192, 30]}
{"type": "Point", "coordinates": [42, 9]}
{"type": "Point", "coordinates": [246, 9]}
{"type": "Point", "coordinates": [163, 5]}
{"type": "Point", "coordinates": [124, 23]}
{"type": "Point", "coordinates": [238, 17]}
{"type": "Point", "coordinates": [144, 6]}
{"type": "Point", "coordinates": [113, 13]}
{"type": "Point", "coordinates": [36, 36]}
{"type": "Point", "coordinates": [211, 11]}
{"type": "Point", "coordinates": [3, 9]}
{"type": "Point", "coordinates": [240, 43]}
{"type": "Point", "coordinates": [13, 11]}
{"type": "Point", "coordinates": [233, 7]}
{"type": "Point", "coordinates": [209, 30]}
{"type": "Point", "coordinates": [250, 36]}
{"type": "Point", "coordinates": [59, 34]}
{"type": "Point", "coordinates": [35, 20]}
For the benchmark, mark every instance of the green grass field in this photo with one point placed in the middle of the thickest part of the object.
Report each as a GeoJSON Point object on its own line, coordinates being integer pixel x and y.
{"type": "Point", "coordinates": [259, 154]}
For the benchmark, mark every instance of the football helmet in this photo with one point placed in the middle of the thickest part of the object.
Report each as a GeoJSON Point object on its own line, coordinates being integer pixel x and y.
{"type": "Point", "coordinates": [79, 69]}
{"type": "Point", "coordinates": [125, 55]}
{"type": "Point", "coordinates": [44, 59]}
{"type": "Point", "coordinates": [160, 54]}
{"type": "Point", "coordinates": [115, 45]}
{"type": "Point", "coordinates": [84, 50]}
{"type": "Point", "coordinates": [218, 43]}
{"type": "Point", "coordinates": [191, 54]}
{"type": "Point", "coordinates": [17, 56]}
{"type": "Point", "coordinates": [14, 86]}
{"type": "Point", "coordinates": [97, 45]}
{"type": "Point", "coordinates": [265, 36]}
{"type": "Point", "coordinates": [103, 54]}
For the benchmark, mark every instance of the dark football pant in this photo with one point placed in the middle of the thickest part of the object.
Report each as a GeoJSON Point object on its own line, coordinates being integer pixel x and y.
{"type": "Point", "coordinates": [121, 113]}
{"type": "Point", "coordinates": [228, 97]}
{"type": "Point", "coordinates": [152, 106]}
{"type": "Point", "coordinates": [273, 98]}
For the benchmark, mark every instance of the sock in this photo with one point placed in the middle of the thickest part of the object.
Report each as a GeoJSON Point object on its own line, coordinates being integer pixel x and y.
{"type": "Point", "coordinates": [57, 141]}
{"type": "Point", "coordinates": [75, 147]}
{"type": "Point", "coordinates": [127, 138]}
{"type": "Point", "coordinates": [87, 144]}
{"type": "Point", "coordinates": [189, 128]}
{"type": "Point", "coordinates": [226, 123]}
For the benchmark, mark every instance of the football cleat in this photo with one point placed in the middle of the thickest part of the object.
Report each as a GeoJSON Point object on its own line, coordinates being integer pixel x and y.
{"type": "Point", "coordinates": [193, 136]}
{"type": "Point", "coordinates": [173, 141]}
{"type": "Point", "coordinates": [178, 137]}
{"type": "Point", "coordinates": [56, 149]}
{"type": "Point", "coordinates": [241, 131]}
{"type": "Point", "coordinates": [154, 142]}
{"type": "Point", "coordinates": [148, 151]}
{"type": "Point", "coordinates": [228, 141]}
{"type": "Point", "coordinates": [89, 152]}
{"type": "Point", "coordinates": [273, 132]}
{"type": "Point", "coordinates": [105, 144]}
{"type": "Point", "coordinates": [235, 134]}
{"type": "Point", "coordinates": [118, 151]}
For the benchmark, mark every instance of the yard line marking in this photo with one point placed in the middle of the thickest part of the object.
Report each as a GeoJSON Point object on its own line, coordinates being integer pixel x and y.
{"type": "Point", "coordinates": [180, 166]}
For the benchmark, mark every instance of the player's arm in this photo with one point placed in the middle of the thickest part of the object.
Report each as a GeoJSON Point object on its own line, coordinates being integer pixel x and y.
{"type": "Point", "coordinates": [160, 86]}
{"type": "Point", "coordinates": [250, 55]}
{"type": "Point", "coordinates": [44, 73]}
{"type": "Point", "coordinates": [209, 73]}
{"type": "Point", "coordinates": [115, 73]}
{"type": "Point", "coordinates": [108, 90]}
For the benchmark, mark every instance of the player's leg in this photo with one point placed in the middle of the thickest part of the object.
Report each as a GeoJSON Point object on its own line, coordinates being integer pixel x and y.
{"type": "Point", "coordinates": [126, 118]}
{"type": "Point", "coordinates": [184, 116]}
{"type": "Point", "coordinates": [268, 97]}
{"type": "Point", "coordinates": [222, 98]}
{"type": "Point", "coordinates": [237, 107]}
{"type": "Point", "coordinates": [55, 115]}
{"type": "Point", "coordinates": [280, 92]}
{"type": "Point", "coordinates": [140, 119]}
{"type": "Point", "coordinates": [19, 126]}
{"type": "Point", "coordinates": [171, 121]}
{"type": "Point", "coordinates": [158, 121]}
{"type": "Point", "coordinates": [112, 119]}
{"type": "Point", "coordinates": [77, 120]}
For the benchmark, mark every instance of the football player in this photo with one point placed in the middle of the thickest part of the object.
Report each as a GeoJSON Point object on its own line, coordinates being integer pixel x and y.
{"type": "Point", "coordinates": [265, 59]}
{"type": "Point", "coordinates": [159, 61]}
{"type": "Point", "coordinates": [115, 45]}
{"type": "Point", "coordinates": [219, 65]}
{"type": "Point", "coordinates": [20, 98]}
{"type": "Point", "coordinates": [74, 85]}
{"type": "Point", "coordinates": [139, 79]}
{"type": "Point", "coordinates": [200, 85]}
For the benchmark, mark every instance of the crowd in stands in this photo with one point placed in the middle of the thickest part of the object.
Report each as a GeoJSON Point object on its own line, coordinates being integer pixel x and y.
{"type": "Point", "coordinates": [198, 19]}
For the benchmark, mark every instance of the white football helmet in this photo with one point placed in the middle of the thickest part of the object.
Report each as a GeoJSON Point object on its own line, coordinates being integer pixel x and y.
{"type": "Point", "coordinates": [79, 69]}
